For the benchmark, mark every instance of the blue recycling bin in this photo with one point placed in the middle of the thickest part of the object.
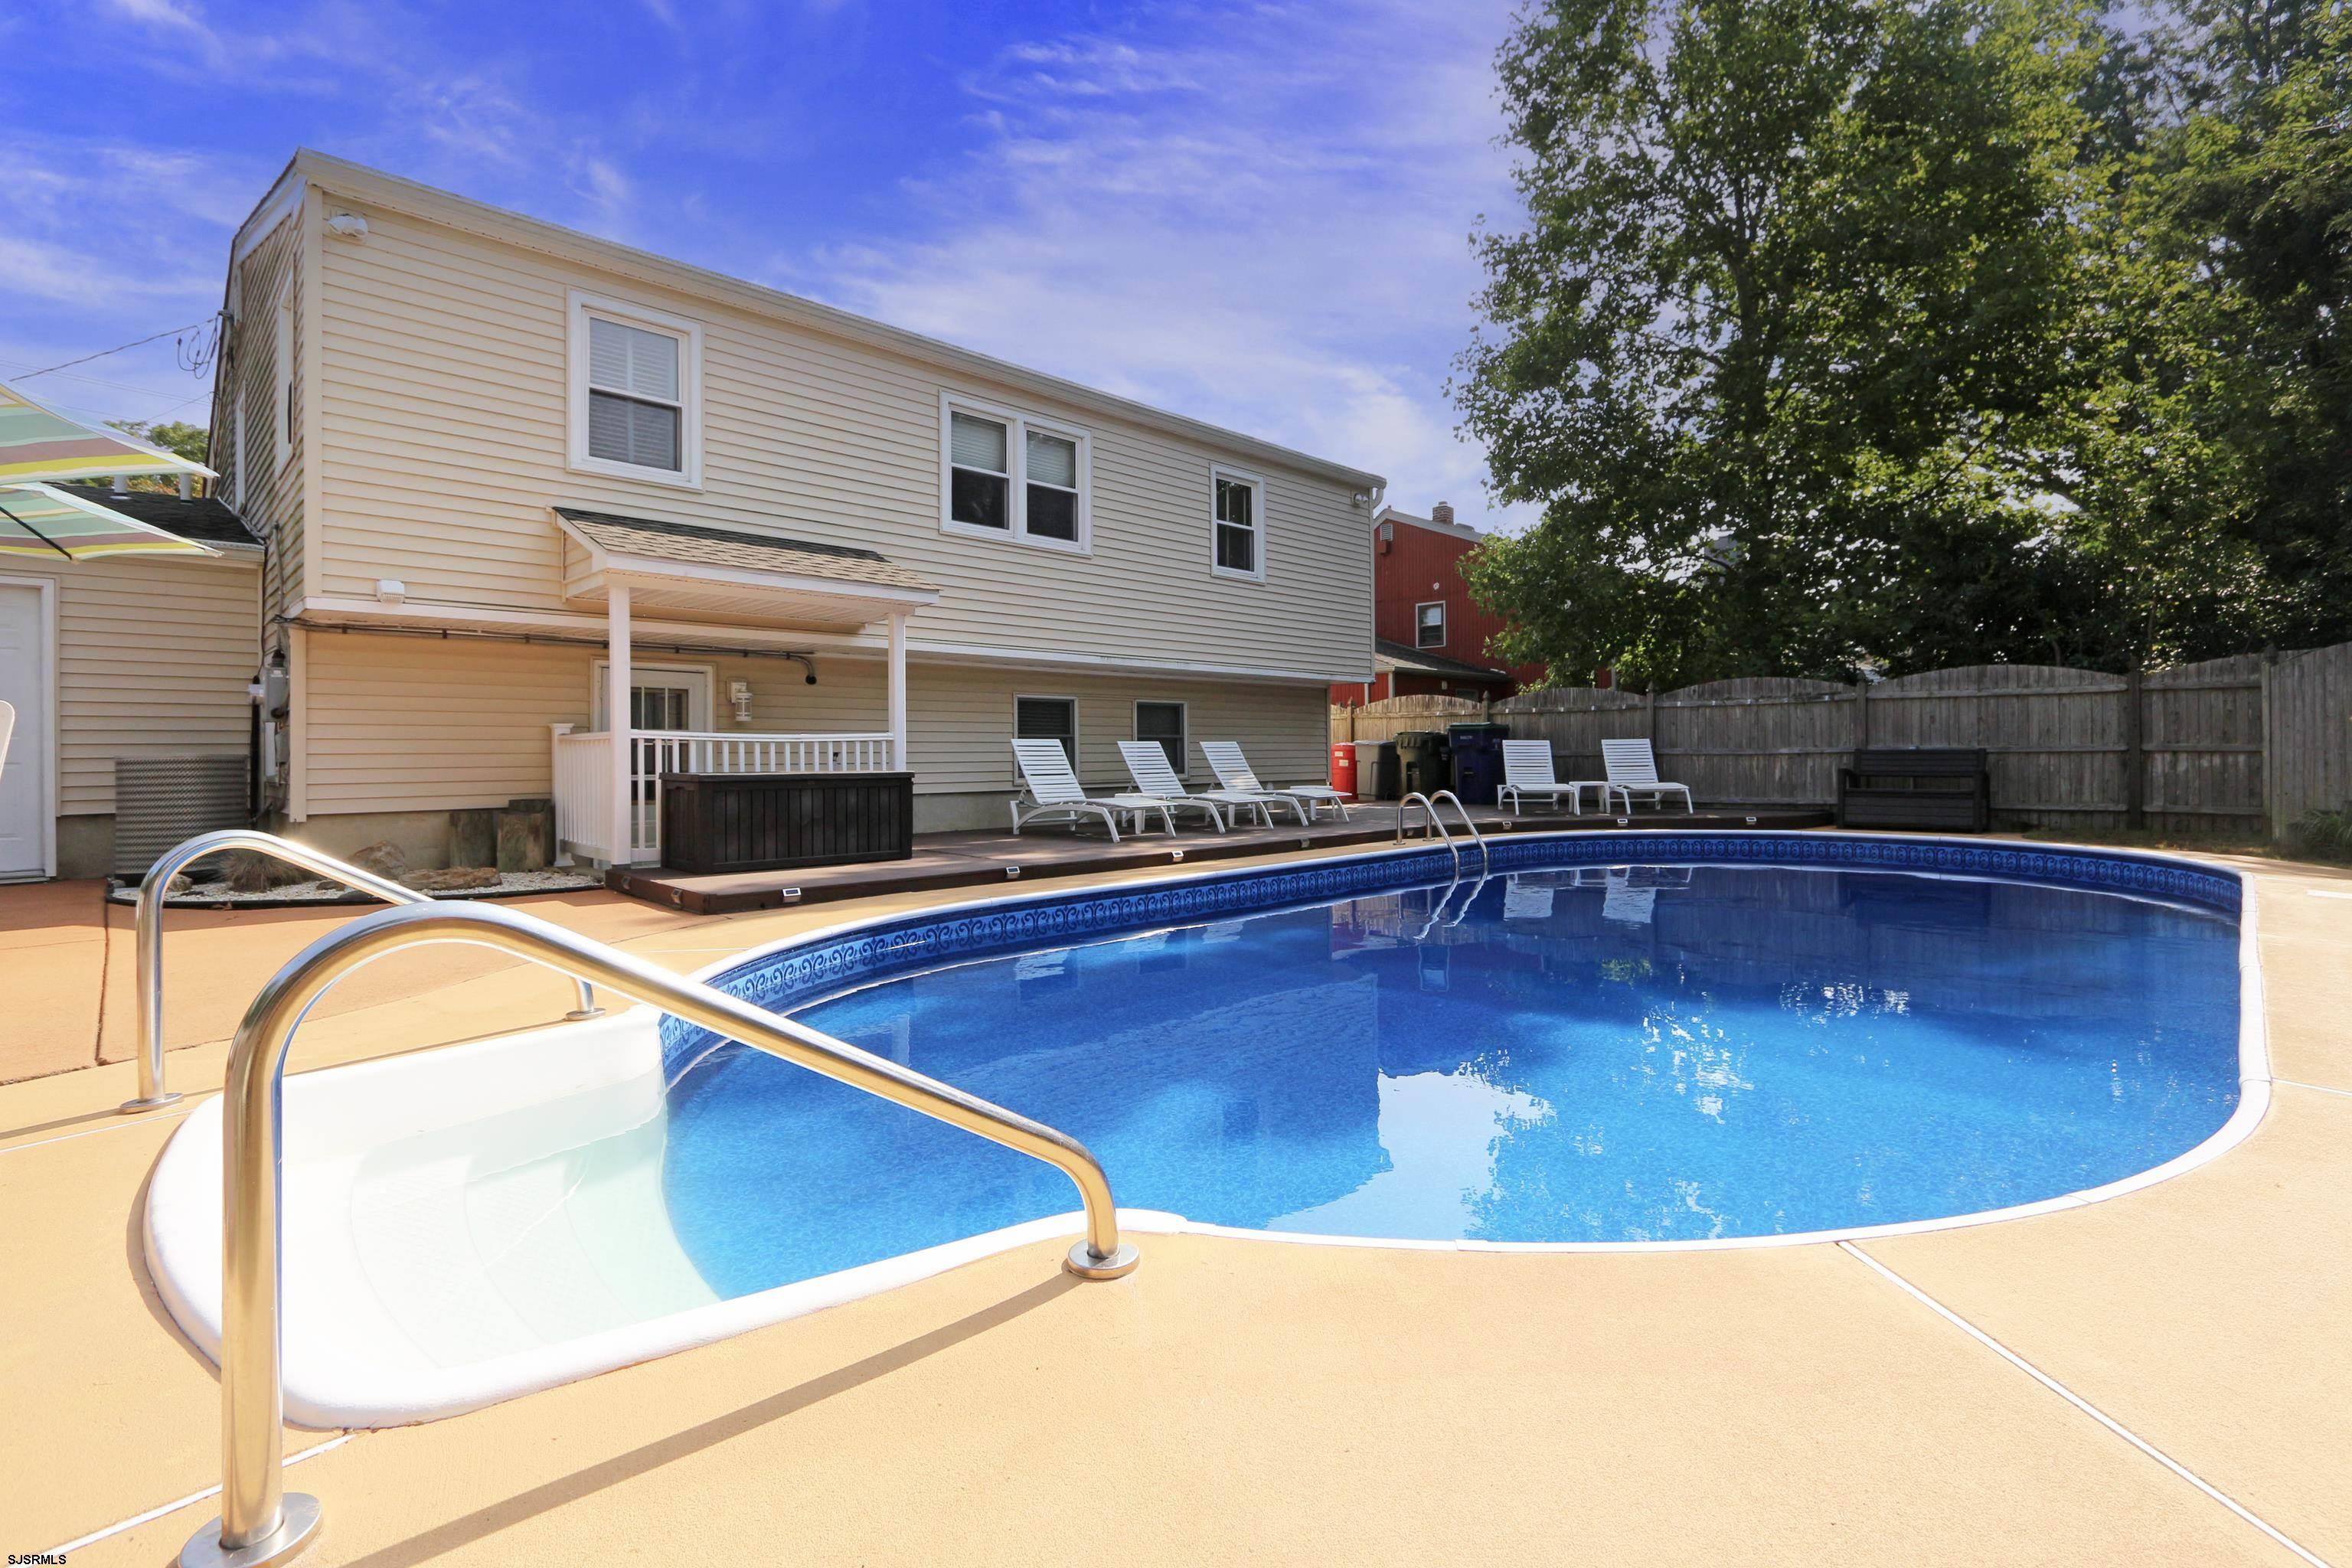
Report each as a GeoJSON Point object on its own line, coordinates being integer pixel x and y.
{"type": "Point", "coordinates": [1477, 752]}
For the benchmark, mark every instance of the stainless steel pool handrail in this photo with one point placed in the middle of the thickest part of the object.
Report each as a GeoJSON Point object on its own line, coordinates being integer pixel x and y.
{"type": "Point", "coordinates": [260, 1523]}
{"type": "Point", "coordinates": [1428, 810]}
{"type": "Point", "coordinates": [149, 955]}
{"type": "Point", "coordinates": [1486, 855]}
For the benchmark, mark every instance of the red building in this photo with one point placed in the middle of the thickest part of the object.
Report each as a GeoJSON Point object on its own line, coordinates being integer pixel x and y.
{"type": "Point", "coordinates": [1428, 638]}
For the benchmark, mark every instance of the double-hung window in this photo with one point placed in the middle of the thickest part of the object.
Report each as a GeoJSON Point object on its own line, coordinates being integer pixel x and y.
{"type": "Point", "coordinates": [636, 378]}
{"type": "Point", "coordinates": [1163, 722]}
{"type": "Point", "coordinates": [1048, 719]}
{"type": "Point", "coordinates": [1237, 519]}
{"type": "Point", "coordinates": [1429, 624]}
{"type": "Point", "coordinates": [1011, 477]}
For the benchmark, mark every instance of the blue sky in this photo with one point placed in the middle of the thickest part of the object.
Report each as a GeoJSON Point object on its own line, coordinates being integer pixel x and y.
{"type": "Point", "coordinates": [1254, 214]}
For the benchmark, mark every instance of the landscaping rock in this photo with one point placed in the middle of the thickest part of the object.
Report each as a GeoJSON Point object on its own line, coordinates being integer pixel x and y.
{"type": "Point", "coordinates": [474, 836]}
{"type": "Point", "coordinates": [526, 835]}
{"type": "Point", "coordinates": [455, 878]}
{"type": "Point", "coordinates": [384, 857]}
{"type": "Point", "coordinates": [252, 873]}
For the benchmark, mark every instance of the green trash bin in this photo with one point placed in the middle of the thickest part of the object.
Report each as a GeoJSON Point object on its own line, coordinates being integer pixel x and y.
{"type": "Point", "coordinates": [1423, 762]}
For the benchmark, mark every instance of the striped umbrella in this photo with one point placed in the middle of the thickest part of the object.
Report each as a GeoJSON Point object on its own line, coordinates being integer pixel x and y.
{"type": "Point", "coordinates": [38, 443]}
{"type": "Point", "coordinates": [38, 519]}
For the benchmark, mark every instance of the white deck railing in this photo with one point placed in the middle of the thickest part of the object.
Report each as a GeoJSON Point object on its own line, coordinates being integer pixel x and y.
{"type": "Point", "coordinates": [584, 776]}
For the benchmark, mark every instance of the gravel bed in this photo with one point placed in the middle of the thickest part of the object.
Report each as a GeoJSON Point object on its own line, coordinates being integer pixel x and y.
{"type": "Point", "coordinates": [299, 895]}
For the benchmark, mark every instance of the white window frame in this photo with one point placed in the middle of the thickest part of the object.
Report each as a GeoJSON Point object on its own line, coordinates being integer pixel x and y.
{"type": "Point", "coordinates": [1077, 747]}
{"type": "Point", "coordinates": [1444, 623]}
{"type": "Point", "coordinates": [1257, 483]}
{"type": "Point", "coordinates": [1017, 426]}
{"type": "Point", "coordinates": [700, 679]}
{"type": "Point", "coordinates": [281, 424]}
{"type": "Point", "coordinates": [581, 307]}
{"type": "Point", "coordinates": [1183, 724]}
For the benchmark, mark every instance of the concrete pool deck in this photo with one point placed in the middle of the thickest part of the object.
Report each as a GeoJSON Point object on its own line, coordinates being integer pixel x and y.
{"type": "Point", "coordinates": [1816, 1404]}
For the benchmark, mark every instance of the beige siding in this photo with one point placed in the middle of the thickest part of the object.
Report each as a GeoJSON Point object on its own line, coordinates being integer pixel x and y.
{"type": "Point", "coordinates": [405, 724]}
{"type": "Point", "coordinates": [153, 658]}
{"type": "Point", "coordinates": [443, 413]}
{"type": "Point", "coordinates": [266, 491]}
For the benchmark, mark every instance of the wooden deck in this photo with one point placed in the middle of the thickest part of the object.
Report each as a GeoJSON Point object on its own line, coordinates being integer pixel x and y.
{"type": "Point", "coordinates": [992, 859]}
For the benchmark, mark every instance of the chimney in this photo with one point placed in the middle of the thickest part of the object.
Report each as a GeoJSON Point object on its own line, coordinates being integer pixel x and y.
{"type": "Point", "coordinates": [1442, 514]}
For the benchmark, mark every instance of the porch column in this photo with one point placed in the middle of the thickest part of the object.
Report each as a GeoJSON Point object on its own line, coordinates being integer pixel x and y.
{"type": "Point", "coordinates": [899, 693]}
{"type": "Point", "coordinates": [616, 714]}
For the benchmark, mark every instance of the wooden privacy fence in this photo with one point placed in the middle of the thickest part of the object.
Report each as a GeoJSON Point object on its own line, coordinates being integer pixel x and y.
{"type": "Point", "coordinates": [2232, 743]}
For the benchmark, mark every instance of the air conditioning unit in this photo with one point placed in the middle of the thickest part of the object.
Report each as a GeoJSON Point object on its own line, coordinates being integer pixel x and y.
{"type": "Point", "coordinates": [159, 800]}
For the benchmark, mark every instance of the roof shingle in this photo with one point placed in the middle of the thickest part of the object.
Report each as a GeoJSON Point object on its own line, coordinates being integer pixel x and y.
{"type": "Point", "coordinates": [702, 545]}
{"type": "Point", "coordinates": [204, 519]}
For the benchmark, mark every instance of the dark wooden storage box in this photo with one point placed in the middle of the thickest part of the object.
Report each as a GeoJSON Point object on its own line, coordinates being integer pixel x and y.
{"type": "Point", "coordinates": [772, 822]}
{"type": "Point", "coordinates": [1945, 790]}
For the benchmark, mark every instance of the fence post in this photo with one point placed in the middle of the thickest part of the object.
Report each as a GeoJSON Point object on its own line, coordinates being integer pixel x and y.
{"type": "Point", "coordinates": [2269, 749]}
{"type": "Point", "coordinates": [2134, 752]}
{"type": "Point", "coordinates": [1862, 714]}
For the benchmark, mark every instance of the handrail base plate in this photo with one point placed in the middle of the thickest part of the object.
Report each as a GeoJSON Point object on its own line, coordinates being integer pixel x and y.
{"type": "Point", "coordinates": [296, 1532]}
{"type": "Point", "coordinates": [154, 1102]}
{"type": "Point", "coordinates": [1083, 1263]}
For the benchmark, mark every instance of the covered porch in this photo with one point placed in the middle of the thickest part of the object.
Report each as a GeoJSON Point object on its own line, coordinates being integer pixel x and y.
{"type": "Point", "coordinates": [608, 788]}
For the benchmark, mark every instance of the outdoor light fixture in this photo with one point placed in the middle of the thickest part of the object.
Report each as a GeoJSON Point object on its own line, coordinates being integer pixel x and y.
{"type": "Point", "coordinates": [348, 226]}
{"type": "Point", "coordinates": [739, 692]}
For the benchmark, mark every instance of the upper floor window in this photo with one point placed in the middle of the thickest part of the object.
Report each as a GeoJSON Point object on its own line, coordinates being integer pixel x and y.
{"type": "Point", "coordinates": [1238, 519]}
{"type": "Point", "coordinates": [637, 381]}
{"type": "Point", "coordinates": [1011, 477]}
{"type": "Point", "coordinates": [1429, 624]}
{"type": "Point", "coordinates": [282, 384]}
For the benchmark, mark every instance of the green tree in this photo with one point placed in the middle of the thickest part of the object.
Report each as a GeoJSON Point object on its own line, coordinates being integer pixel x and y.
{"type": "Point", "coordinates": [2246, 192]}
{"type": "Point", "coordinates": [1779, 327]}
{"type": "Point", "coordinates": [174, 436]}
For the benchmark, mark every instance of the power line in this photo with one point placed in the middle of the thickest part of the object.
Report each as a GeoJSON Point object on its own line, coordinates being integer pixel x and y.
{"type": "Point", "coordinates": [116, 349]}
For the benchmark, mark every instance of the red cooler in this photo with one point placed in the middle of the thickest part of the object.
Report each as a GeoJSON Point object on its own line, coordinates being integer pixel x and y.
{"type": "Point", "coordinates": [1343, 767]}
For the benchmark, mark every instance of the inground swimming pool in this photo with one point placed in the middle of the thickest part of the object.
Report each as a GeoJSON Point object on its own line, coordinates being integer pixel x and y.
{"type": "Point", "coordinates": [1595, 1040]}
{"type": "Point", "coordinates": [1645, 1052]}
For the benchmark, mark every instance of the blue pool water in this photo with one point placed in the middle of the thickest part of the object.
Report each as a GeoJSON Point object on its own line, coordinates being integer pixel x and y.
{"type": "Point", "coordinates": [1648, 1053]}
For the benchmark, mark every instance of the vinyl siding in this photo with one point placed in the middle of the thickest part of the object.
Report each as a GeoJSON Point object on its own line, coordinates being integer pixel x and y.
{"type": "Point", "coordinates": [405, 724]}
{"type": "Point", "coordinates": [443, 413]}
{"type": "Point", "coordinates": [154, 657]}
{"type": "Point", "coordinates": [264, 493]}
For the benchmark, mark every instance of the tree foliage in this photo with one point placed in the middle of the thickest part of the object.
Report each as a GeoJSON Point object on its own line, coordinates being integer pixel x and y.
{"type": "Point", "coordinates": [174, 436]}
{"type": "Point", "coordinates": [1848, 334]}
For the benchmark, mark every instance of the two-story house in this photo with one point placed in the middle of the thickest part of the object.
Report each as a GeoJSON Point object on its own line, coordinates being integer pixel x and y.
{"type": "Point", "coordinates": [1430, 636]}
{"type": "Point", "coordinates": [545, 515]}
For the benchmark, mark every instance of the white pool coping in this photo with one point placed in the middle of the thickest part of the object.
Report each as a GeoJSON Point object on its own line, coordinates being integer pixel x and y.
{"type": "Point", "coordinates": [340, 1368]}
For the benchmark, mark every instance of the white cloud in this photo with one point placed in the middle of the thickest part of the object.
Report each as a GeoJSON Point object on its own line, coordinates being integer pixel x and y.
{"type": "Point", "coordinates": [1266, 227]}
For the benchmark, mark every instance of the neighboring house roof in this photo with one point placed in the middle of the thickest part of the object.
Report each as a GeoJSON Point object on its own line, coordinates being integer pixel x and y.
{"type": "Point", "coordinates": [1394, 656]}
{"type": "Point", "coordinates": [1461, 530]}
{"type": "Point", "coordinates": [701, 544]}
{"type": "Point", "coordinates": [374, 186]}
{"type": "Point", "coordinates": [203, 518]}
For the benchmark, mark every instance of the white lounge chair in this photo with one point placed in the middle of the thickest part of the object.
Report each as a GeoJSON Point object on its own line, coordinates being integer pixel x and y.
{"type": "Point", "coordinates": [1633, 770]}
{"type": "Point", "coordinates": [1234, 773]}
{"type": "Point", "coordinates": [1051, 789]}
{"type": "Point", "coordinates": [1527, 771]}
{"type": "Point", "coordinates": [1146, 763]}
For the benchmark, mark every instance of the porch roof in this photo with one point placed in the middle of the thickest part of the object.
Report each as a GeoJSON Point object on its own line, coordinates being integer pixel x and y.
{"type": "Point", "coordinates": [1396, 656]}
{"type": "Point", "coordinates": [700, 570]}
